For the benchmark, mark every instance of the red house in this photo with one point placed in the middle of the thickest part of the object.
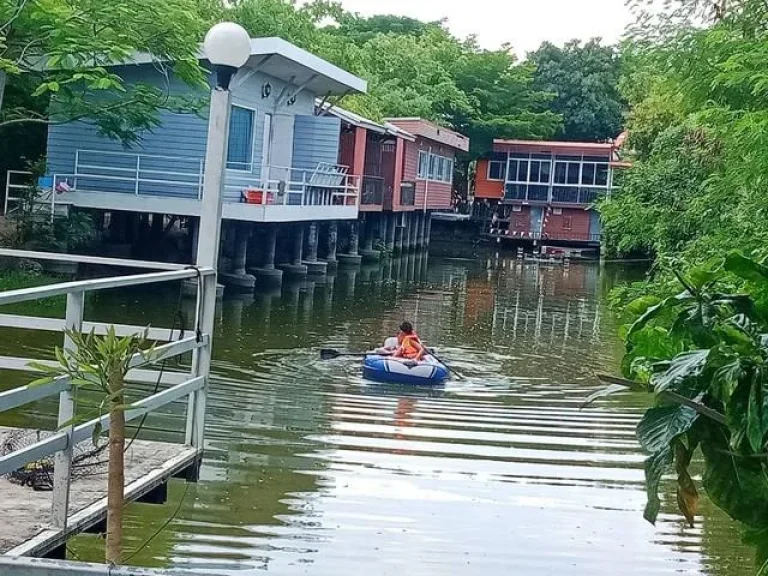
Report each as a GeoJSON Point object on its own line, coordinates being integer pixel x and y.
{"type": "Point", "coordinates": [429, 160]}
{"type": "Point", "coordinates": [545, 191]}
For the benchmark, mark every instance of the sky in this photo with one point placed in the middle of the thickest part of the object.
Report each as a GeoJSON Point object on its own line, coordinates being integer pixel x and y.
{"type": "Point", "coordinates": [525, 24]}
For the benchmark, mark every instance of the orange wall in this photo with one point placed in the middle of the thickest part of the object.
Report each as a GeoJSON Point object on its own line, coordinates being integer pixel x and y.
{"type": "Point", "coordinates": [484, 188]}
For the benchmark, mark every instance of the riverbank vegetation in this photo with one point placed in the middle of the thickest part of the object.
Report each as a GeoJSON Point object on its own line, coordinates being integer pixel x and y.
{"type": "Point", "coordinates": [697, 331]}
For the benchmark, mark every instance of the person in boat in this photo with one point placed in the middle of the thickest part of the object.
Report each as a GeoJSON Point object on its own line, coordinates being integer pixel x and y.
{"type": "Point", "coordinates": [409, 343]}
{"type": "Point", "coordinates": [390, 347]}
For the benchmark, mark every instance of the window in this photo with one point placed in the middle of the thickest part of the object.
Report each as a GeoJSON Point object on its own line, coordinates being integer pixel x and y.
{"type": "Point", "coordinates": [567, 172]}
{"type": "Point", "coordinates": [240, 147]}
{"type": "Point", "coordinates": [496, 170]}
{"type": "Point", "coordinates": [435, 168]}
{"type": "Point", "coordinates": [423, 165]}
{"type": "Point", "coordinates": [540, 170]}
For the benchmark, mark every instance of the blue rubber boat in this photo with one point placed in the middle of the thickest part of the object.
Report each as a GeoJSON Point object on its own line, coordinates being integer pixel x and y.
{"type": "Point", "coordinates": [428, 372]}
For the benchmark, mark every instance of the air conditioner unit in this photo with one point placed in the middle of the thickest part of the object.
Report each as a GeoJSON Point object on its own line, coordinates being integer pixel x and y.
{"type": "Point", "coordinates": [517, 208]}
{"type": "Point", "coordinates": [557, 211]}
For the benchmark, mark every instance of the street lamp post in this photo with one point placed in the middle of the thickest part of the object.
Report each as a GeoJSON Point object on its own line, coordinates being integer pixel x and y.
{"type": "Point", "coordinates": [227, 47]}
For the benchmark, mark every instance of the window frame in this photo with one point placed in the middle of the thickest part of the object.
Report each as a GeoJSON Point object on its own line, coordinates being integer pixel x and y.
{"type": "Point", "coordinates": [502, 171]}
{"type": "Point", "coordinates": [439, 168]}
{"type": "Point", "coordinates": [254, 125]}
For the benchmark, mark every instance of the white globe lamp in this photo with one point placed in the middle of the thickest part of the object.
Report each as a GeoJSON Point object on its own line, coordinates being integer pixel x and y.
{"type": "Point", "coordinates": [227, 46]}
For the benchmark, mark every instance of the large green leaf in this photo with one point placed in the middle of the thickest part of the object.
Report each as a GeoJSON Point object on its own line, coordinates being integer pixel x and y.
{"type": "Point", "coordinates": [738, 485]}
{"type": "Point", "coordinates": [654, 311]}
{"type": "Point", "coordinates": [687, 495]}
{"type": "Point", "coordinates": [758, 537]}
{"type": "Point", "coordinates": [746, 268]}
{"type": "Point", "coordinates": [684, 370]}
{"type": "Point", "coordinates": [757, 415]}
{"type": "Point", "coordinates": [660, 426]}
{"type": "Point", "coordinates": [655, 467]}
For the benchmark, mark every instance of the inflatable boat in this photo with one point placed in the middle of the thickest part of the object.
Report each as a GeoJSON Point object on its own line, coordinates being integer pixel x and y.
{"type": "Point", "coordinates": [427, 372]}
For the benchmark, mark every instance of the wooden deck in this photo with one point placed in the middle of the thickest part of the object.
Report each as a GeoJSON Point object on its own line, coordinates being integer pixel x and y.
{"type": "Point", "coordinates": [25, 527]}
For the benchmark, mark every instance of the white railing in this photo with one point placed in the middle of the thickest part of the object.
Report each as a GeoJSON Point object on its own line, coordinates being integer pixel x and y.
{"type": "Point", "coordinates": [169, 176]}
{"type": "Point", "coordinates": [326, 185]}
{"type": "Point", "coordinates": [189, 385]}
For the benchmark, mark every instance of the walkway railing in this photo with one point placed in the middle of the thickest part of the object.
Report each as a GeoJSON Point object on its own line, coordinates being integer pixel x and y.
{"type": "Point", "coordinates": [189, 386]}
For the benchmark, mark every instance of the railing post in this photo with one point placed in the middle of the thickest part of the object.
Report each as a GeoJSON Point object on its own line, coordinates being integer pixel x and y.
{"type": "Point", "coordinates": [138, 172]}
{"type": "Point", "coordinates": [62, 475]}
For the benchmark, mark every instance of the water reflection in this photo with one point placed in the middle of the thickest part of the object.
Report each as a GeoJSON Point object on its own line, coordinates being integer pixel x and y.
{"type": "Point", "coordinates": [311, 469]}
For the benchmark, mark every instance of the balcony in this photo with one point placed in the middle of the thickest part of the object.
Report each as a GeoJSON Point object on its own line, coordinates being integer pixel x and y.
{"type": "Point", "coordinates": [372, 192]}
{"type": "Point", "coordinates": [408, 194]}
{"type": "Point", "coordinates": [560, 194]}
{"type": "Point", "coordinates": [174, 185]}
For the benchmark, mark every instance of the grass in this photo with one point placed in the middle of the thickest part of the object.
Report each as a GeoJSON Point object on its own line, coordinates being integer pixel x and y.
{"type": "Point", "coordinates": [19, 279]}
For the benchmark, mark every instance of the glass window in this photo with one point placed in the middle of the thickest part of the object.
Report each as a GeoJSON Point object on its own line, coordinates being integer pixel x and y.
{"type": "Point", "coordinates": [423, 165]}
{"type": "Point", "coordinates": [522, 170]}
{"type": "Point", "coordinates": [448, 170]}
{"type": "Point", "coordinates": [601, 178]}
{"type": "Point", "coordinates": [240, 145]}
{"type": "Point", "coordinates": [540, 171]}
{"type": "Point", "coordinates": [432, 167]}
{"type": "Point", "coordinates": [495, 170]}
{"type": "Point", "coordinates": [573, 173]}
{"type": "Point", "coordinates": [588, 174]}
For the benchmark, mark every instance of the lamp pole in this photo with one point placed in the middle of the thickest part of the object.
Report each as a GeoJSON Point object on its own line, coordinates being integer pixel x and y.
{"type": "Point", "coordinates": [227, 46]}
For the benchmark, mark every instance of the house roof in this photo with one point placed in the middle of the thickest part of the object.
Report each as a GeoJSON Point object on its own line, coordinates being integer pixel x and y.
{"type": "Point", "coordinates": [426, 129]}
{"type": "Point", "coordinates": [554, 145]}
{"type": "Point", "coordinates": [285, 61]}
{"type": "Point", "coordinates": [362, 122]}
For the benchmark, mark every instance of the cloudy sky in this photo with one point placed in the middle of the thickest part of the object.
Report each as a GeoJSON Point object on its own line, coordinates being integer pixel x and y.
{"type": "Point", "coordinates": [523, 23]}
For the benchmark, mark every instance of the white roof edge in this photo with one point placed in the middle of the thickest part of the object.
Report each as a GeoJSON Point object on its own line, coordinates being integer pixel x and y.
{"type": "Point", "coordinates": [275, 45]}
{"type": "Point", "coordinates": [361, 121]}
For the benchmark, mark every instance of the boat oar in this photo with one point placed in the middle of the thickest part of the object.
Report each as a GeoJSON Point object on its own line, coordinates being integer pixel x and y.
{"type": "Point", "coordinates": [330, 354]}
{"type": "Point", "coordinates": [458, 375]}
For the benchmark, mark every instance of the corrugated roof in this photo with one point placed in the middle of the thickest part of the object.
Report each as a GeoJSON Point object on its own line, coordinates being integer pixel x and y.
{"type": "Point", "coordinates": [605, 146]}
{"type": "Point", "coordinates": [426, 129]}
{"type": "Point", "coordinates": [362, 122]}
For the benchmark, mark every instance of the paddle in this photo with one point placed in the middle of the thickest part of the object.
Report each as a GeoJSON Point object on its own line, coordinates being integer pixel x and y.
{"type": "Point", "coordinates": [330, 354]}
{"type": "Point", "coordinates": [444, 363]}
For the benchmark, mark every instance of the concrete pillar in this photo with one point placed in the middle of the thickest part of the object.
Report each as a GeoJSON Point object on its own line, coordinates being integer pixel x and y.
{"type": "Point", "coordinates": [295, 267]}
{"type": "Point", "coordinates": [267, 274]}
{"type": "Point", "coordinates": [400, 230]}
{"type": "Point", "coordinates": [368, 253]}
{"type": "Point", "coordinates": [423, 230]}
{"type": "Point", "coordinates": [384, 229]}
{"type": "Point", "coordinates": [194, 235]}
{"type": "Point", "coordinates": [428, 233]}
{"type": "Point", "coordinates": [408, 233]}
{"type": "Point", "coordinates": [418, 217]}
{"type": "Point", "coordinates": [352, 257]}
{"type": "Point", "coordinates": [238, 278]}
{"type": "Point", "coordinates": [314, 266]}
{"type": "Point", "coordinates": [391, 229]}
{"type": "Point", "coordinates": [333, 238]}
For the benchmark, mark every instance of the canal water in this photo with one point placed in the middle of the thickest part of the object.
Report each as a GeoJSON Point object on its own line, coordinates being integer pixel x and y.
{"type": "Point", "coordinates": [310, 469]}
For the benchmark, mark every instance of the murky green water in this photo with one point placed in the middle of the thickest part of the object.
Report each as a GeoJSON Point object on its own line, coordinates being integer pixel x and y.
{"type": "Point", "coordinates": [311, 470]}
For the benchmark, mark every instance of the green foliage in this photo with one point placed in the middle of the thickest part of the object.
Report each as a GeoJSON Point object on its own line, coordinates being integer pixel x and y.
{"type": "Point", "coordinates": [585, 80]}
{"type": "Point", "coordinates": [59, 53]}
{"type": "Point", "coordinates": [704, 353]}
{"type": "Point", "coordinates": [95, 362]}
{"type": "Point", "coordinates": [697, 123]}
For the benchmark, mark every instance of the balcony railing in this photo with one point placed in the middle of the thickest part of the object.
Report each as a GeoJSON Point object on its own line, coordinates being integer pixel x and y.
{"type": "Point", "coordinates": [408, 194]}
{"type": "Point", "coordinates": [561, 194]}
{"type": "Point", "coordinates": [373, 191]}
{"type": "Point", "coordinates": [188, 386]}
{"type": "Point", "coordinates": [183, 178]}
{"type": "Point", "coordinates": [504, 229]}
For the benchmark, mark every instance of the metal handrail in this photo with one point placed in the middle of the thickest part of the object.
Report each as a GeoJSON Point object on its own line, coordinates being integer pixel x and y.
{"type": "Point", "coordinates": [190, 385]}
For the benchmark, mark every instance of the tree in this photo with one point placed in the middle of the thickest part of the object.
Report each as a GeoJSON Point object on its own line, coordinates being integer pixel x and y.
{"type": "Point", "coordinates": [61, 53]}
{"type": "Point", "coordinates": [101, 363]}
{"type": "Point", "coordinates": [585, 81]}
{"type": "Point", "coordinates": [702, 353]}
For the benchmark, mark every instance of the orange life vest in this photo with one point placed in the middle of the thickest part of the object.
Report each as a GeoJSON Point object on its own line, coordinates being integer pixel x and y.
{"type": "Point", "coordinates": [407, 347]}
